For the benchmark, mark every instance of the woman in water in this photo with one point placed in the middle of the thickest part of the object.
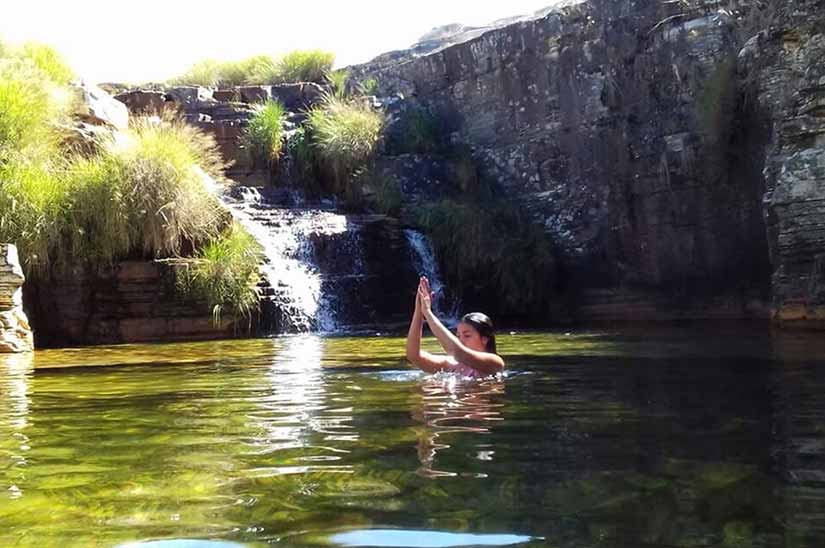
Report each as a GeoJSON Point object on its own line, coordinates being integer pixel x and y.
{"type": "Point", "coordinates": [471, 354]}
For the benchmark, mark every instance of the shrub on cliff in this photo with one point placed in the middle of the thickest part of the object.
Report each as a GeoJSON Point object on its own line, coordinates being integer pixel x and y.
{"type": "Point", "coordinates": [263, 137]}
{"type": "Point", "coordinates": [417, 131]}
{"type": "Point", "coordinates": [494, 250]}
{"type": "Point", "coordinates": [344, 134]}
{"type": "Point", "coordinates": [225, 273]}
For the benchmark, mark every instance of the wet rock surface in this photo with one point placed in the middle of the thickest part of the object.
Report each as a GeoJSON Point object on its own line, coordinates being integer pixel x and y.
{"type": "Point", "coordinates": [326, 271]}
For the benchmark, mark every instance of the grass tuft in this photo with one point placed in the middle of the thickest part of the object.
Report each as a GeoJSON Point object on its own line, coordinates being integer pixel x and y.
{"type": "Point", "coordinates": [344, 135]}
{"type": "Point", "coordinates": [225, 273]}
{"type": "Point", "coordinates": [337, 81]}
{"type": "Point", "coordinates": [169, 201]}
{"type": "Point", "coordinates": [305, 66]}
{"type": "Point", "coordinates": [263, 137]}
{"type": "Point", "coordinates": [30, 109]}
{"type": "Point", "coordinates": [297, 66]}
{"type": "Point", "coordinates": [48, 61]}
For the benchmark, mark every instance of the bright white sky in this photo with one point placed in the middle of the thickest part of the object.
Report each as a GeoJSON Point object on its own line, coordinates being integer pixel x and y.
{"type": "Point", "coordinates": [107, 40]}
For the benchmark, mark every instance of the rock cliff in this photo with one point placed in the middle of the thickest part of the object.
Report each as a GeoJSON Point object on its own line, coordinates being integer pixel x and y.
{"type": "Point", "coordinates": [631, 131]}
{"type": "Point", "coordinates": [15, 333]}
{"type": "Point", "coordinates": [786, 70]}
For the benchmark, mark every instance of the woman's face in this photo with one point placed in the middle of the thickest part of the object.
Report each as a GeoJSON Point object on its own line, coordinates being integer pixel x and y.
{"type": "Point", "coordinates": [469, 337]}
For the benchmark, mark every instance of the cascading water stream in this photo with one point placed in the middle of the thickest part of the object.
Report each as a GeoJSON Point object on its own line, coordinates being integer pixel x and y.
{"type": "Point", "coordinates": [426, 265]}
{"type": "Point", "coordinates": [295, 279]}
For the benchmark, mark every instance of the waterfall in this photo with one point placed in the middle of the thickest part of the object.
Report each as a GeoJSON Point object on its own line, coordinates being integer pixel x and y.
{"type": "Point", "coordinates": [426, 265]}
{"type": "Point", "coordinates": [294, 277]}
{"type": "Point", "coordinates": [315, 265]}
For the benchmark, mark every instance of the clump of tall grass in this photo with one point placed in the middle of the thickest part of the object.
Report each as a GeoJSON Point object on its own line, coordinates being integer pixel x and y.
{"type": "Point", "coordinates": [337, 82]}
{"type": "Point", "coordinates": [33, 202]}
{"type": "Point", "coordinates": [344, 135]}
{"type": "Point", "coordinates": [225, 273]}
{"type": "Point", "coordinates": [203, 73]}
{"type": "Point", "coordinates": [263, 137]}
{"type": "Point", "coordinates": [296, 66]}
{"type": "Point", "coordinates": [48, 61]}
{"type": "Point", "coordinates": [213, 73]}
{"type": "Point", "coordinates": [147, 198]}
{"type": "Point", "coordinates": [305, 66]}
{"type": "Point", "coordinates": [418, 131]}
{"type": "Point", "coordinates": [31, 107]}
{"type": "Point", "coordinates": [167, 195]}
{"type": "Point", "coordinates": [368, 86]}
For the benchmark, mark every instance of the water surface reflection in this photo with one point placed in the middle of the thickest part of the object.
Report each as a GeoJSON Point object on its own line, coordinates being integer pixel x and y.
{"type": "Point", "coordinates": [624, 439]}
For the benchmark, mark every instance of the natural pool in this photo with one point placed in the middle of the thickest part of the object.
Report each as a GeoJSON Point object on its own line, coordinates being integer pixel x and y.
{"type": "Point", "coordinates": [655, 438]}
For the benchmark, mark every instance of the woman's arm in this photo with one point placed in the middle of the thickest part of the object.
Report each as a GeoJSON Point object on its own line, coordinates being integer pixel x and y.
{"type": "Point", "coordinates": [485, 363]}
{"type": "Point", "coordinates": [421, 359]}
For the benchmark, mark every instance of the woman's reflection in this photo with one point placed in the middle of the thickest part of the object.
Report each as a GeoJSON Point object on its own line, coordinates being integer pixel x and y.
{"type": "Point", "coordinates": [452, 406]}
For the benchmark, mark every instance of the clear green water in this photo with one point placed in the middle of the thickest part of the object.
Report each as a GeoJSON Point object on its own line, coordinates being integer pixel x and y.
{"type": "Point", "coordinates": [643, 438]}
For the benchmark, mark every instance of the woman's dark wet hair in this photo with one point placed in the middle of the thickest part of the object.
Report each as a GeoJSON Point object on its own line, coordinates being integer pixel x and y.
{"type": "Point", "coordinates": [484, 325]}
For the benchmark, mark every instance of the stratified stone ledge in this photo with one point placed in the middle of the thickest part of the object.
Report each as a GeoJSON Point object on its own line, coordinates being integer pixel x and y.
{"type": "Point", "coordinates": [15, 331]}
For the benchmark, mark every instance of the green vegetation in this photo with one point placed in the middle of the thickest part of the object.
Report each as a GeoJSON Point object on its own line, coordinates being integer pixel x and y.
{"type": "Point", "coordinates": [48, 60]}
{"type": "Point", "coordinates": [305, 66]}
{"type": "Point", "coordinates": [337, 81]}
{"type": "Point", "coordinates": [30, 108]}
{"type": "Point", "coordinates": [263, 137]}
{"type": "Point", "coordinates": [304, 160]}
{"type": "Point", "coordinates": [419, 131]}
{"type": "Point", "coordinates": [225, 273]}
{"type": "Point", "coordinates": [168, 201]}
{"type": "Point", "coordinates": [144, 194]}
{"type": "Point", "coordinates": [145, 198]}
{"type": "Point", "coordinates": [492, 246]}
{"type": "Point", "coordinates": [296, 66]}
{"type": "Point", "coordinates": [369, 86]}
{"type": "Point", "coordinates": [344, 134]}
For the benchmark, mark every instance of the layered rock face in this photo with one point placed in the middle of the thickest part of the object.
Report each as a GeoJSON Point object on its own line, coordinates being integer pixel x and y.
{"type": "Point", "coordinates": [15, 332]}
{"type": "Point", "coordinates": [133, 301]}
{"type": "Point", "coordinates": [620, 127]}
{"type": "Point", "coordinates": [787, 64]}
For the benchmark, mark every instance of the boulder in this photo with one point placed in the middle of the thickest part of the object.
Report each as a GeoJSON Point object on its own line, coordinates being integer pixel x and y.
{"type": "Point", "coordinates": [144, 102]}
{"type": "Point", "coordinates": [187, 96]}
{"type": "Point", "coordinates": [97, 107]}
{"type": "Point", "coordinates": [295, 97]}
{"type": "Point", "coordinates": [255, 94]}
